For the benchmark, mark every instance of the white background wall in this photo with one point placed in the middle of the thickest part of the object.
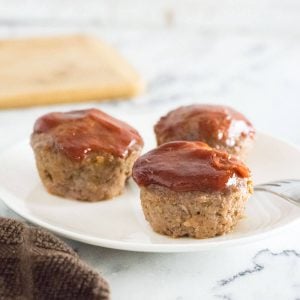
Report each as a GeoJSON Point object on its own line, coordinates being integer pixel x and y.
{"type": "Point", "coordinates": [265, 16]}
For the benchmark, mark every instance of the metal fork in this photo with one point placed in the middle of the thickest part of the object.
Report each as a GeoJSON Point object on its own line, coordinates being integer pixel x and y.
{"type": "Point", "coordinates": [288, 189]}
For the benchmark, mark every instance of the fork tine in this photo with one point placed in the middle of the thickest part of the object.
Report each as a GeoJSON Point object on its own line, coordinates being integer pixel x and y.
{"type": "Point", "coordinates": [270, 184]}
{"type": "Point", "coordinates": [288, 189]}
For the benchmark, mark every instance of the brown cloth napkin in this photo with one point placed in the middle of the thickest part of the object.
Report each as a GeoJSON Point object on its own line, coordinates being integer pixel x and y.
{"type": "Point", "coordinates": [34, 264]}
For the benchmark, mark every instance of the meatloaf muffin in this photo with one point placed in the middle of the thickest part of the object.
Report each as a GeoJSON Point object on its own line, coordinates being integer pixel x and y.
{"type": "Point", "coordinates": [190, 189]}
{"type": "Point", "coordinates": [221, 127]}
{"type": "Point", "coordinates": [85, 154]}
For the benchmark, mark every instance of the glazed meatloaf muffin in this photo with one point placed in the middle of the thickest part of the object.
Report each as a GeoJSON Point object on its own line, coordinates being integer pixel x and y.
{"type": "Point", "coordinates": [85, 154]}
{"type": "Point", "coordinates": [190, 189]}
{"type": "Point", "coordinates": [221, 127]}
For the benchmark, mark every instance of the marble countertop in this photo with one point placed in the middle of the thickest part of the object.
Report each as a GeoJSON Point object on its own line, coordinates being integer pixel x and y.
{"type": "Point", "coordinates": [254, 68]}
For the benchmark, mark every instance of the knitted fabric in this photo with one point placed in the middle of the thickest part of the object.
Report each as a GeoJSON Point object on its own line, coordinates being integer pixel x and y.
{"type": "Point", "coordinates": [34, 264]}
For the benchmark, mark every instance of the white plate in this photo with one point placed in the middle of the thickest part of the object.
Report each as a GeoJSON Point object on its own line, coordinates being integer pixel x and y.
{"type": "Point", "coordinates": [119, 223]}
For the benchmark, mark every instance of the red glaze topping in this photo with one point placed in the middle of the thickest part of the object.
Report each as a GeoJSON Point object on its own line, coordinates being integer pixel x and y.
{"type": "Point", "coordinates": [77, 133]}
{"type": "Point", "coordinates": [205, 122]}
{"type": "Point", "coordinates": [188, 166]}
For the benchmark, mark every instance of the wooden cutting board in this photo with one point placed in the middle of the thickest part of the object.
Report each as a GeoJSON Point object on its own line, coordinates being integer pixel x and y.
{"type": "Point", "coordinates": [50, 70]}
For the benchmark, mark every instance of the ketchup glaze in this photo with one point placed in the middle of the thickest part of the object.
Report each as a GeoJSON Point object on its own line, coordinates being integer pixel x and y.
{"type": "Point", "coordinates": [188, 166]}
{"type": "Point", "coordinates": [77, 133]}
{"type": "Point", "coordinates": [204, 122]}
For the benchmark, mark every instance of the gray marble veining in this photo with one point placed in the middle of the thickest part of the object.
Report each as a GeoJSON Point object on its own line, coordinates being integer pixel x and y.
{"type": "Point", "coordinates": [278, 271]}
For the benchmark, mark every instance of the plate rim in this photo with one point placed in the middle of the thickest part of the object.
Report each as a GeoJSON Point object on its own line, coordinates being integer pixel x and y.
{"type": "Point", "coordinates": [5, 196]}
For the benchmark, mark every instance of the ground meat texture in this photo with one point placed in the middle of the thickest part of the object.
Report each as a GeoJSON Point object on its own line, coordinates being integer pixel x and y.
{"type": "Point", "coordinates": [195, 214]}
{"type": "Point", "coordinates": [221, 127]}
{"type": "Point", "coordinates": [191, 189]}
{"type": "Point", "coordinates": [85, 154]}
{"type": "Point", "coordinates": [99, 176]}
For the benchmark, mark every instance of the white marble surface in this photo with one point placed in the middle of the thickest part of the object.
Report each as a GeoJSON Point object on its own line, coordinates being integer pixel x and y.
{"type": "Point", "coordinates": [244, 54]}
